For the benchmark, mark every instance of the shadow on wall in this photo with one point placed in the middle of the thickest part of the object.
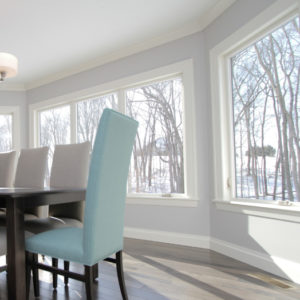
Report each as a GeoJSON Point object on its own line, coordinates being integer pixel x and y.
{"type": "Point", "coordinates": [267, 244]}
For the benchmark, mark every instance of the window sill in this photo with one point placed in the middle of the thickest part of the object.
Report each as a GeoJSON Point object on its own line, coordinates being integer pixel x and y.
{"type": "Point", "coordinates": [273, 211]}
{"type": "Point", "coordinates": [181, 201]}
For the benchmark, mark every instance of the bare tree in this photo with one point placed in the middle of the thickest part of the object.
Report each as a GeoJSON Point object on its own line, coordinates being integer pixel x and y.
{"type": "Point", "coordinates": [88, 115]}
{"type": "Point", "coordinates": [268, 71]}
{"type": "Point", "coordinates": [158, 153]}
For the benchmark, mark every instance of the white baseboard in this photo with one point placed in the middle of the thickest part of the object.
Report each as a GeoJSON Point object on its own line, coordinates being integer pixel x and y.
{"type": "Point", "coordinates": [272, 264]}
{"type": "Point", "coordinates": [275, 265]}
{"type": "Point", "coordinates": [191, 240]}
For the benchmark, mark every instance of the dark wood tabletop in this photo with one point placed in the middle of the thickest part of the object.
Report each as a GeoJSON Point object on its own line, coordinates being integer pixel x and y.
{"type": "Point", "coordinates": [15, 200]}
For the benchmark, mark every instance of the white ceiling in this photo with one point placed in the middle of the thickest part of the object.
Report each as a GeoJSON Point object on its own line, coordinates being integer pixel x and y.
{"type": "Point", "coordinates": [56, 38]}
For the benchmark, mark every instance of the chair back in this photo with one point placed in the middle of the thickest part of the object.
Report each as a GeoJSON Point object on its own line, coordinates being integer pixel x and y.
{"type": "Point", "coordinates": [70, 168]}
{"type": "Point", "coordinates": [106, 189]}
{"type": "Point", "coordinates": [31, 172]}
{"type": "Point", "coordinates": [7, 168]}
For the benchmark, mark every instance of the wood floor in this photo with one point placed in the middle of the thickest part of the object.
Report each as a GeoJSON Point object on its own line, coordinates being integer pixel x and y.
{"type": "Point", "coordinates": [156, 271]}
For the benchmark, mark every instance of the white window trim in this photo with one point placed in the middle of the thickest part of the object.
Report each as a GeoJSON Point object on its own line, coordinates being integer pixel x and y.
{"type": "Point", "coordinates": [224, 185]}
{"type": "Point", "coordinates": [15, 112]}
{"type": "Point", "coordinates": [185, 70]}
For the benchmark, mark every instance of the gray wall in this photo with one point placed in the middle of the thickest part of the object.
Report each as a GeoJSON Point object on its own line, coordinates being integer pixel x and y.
{"type": "Point", "coordinates": [163, 218]}
{"type": "Point", "coordinates": [259, 234]}
{"type": "Point", "coordinates": [266, 236]}
{"type": "Point", "coordinates": [14, 98]}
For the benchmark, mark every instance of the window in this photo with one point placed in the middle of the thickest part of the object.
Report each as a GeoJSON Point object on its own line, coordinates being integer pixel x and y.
{"type": "Point", "coordinates": [6, 135]}
{"type": "Point", "coordinates": [157, 164]}
{"type": "Point", "coordinates": [255, 93]}
{"type": "Point", "coordinates": [163, 154]}
{"type": "Point", "coordinates": [266, 115]}
{"type": "Point", "coordinates": [9, 128]}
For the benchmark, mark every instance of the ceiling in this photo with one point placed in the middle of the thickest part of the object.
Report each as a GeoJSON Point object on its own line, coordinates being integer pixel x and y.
{"type": "Point", "coordinates": [56, 38]}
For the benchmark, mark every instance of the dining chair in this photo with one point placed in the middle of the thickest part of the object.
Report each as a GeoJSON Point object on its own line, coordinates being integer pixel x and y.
{"type": "Point", "coordinates": [102, 233]}
{"type": "Point", "coordinates": [7, 171]}
{"type": "Point", "coordinates": [69, 169]}
{"type": "Point", "coordinates": [30, 173]}
{"type": "Point", "coordinates": [7, 168]}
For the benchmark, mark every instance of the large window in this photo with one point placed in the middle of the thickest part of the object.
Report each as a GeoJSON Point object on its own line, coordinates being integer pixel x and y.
{"type": "Point", "coordinates": [160, 160]}
{"type": "Point", "coordinates": [255, 91]}
{"type": "Point", "coordinates": [266, 123]}
{"type": "Point", "coordinates": [157, 164]}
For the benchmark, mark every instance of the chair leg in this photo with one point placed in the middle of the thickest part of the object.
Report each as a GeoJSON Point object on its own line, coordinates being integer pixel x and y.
{"type": "Point", "coordinates": [28, 271]}
{"type": "Point", "coordinates": [95, 272]}
{"type": "Point", "coordinates": [66, 268]}
{"type": "Point", "coordinates": [119, 261]}
{"type": "Point", "coordinates": [35, 275]}
{"type": "Point", "coordinates": [54, 276]}
{"type": "Point", "coordinates": [88, 272]}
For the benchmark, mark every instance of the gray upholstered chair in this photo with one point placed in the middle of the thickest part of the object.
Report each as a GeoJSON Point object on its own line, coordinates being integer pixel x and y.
{"type": "Point", "coordinates": [8, 162]}
{"type": "Point", "coordinates": [30, 173]}
{"type": "Point", "coordinates": [69, 170]}
{"type": "Point", "coordinates": [7, 174]}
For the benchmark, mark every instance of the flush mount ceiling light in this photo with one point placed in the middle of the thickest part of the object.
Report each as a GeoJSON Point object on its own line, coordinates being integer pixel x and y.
{"type": "Point", "coordinates": [8, 65]}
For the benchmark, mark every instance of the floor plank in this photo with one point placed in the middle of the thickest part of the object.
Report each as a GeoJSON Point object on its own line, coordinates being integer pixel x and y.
{"type": "Point", "coordinates": [157, 271]}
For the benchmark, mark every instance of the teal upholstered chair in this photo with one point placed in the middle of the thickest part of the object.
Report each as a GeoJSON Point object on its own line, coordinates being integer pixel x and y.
{"type": "Point", "coordinates": [102, 232]}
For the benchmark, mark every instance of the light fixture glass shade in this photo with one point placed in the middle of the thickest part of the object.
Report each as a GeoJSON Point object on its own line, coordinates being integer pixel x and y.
{"type": "Point", "coordinates": [8, 65]}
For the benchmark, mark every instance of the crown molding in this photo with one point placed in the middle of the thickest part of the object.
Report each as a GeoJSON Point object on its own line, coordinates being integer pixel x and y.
{"type": "Point", "coordinates": [9, 87]}
{"type": "Point", "coordinates": [186, 30]}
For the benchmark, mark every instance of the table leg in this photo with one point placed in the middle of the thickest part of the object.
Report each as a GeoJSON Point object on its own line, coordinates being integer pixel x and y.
{"type": "Point", "coordinates": [16, 282]}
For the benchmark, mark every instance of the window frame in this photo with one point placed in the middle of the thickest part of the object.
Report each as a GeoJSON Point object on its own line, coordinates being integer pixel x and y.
{"type": "Point", "coordinates": [15, 112]}
{"type": "Point", "coordinates": [183, 69]}
{"type": "Point", "coordinates": [222, 116]}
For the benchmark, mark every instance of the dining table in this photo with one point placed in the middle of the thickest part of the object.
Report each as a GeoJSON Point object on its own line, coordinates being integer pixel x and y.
{"type": "Point", "coordinates": [15, 200]}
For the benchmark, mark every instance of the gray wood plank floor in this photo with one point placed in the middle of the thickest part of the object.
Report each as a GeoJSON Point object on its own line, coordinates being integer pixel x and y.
{"type": "Point", "coordinates": [157, 271]}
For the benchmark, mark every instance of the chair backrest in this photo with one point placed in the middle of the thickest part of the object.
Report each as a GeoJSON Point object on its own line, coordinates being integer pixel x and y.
{"type": "Point", "coordinates": [106, 189]}
{"type": "Point", "coordinates": [8, 162]}
{"type": "Point", "coordinates": [70, 168]}
{"type": "Point", "coordinates": [31, 172]}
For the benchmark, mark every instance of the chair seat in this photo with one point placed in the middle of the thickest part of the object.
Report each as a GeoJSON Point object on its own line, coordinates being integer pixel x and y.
{"type": "Point", "coordinates": [27, 217]}
{"type": "Point", "coordinates": [45, 224]}
{"type": "Point", "coordinates": [63, 243]}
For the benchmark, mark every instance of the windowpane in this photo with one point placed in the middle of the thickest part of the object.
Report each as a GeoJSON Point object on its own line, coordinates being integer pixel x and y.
{"type": "Point", "coordinates": [5, 132]}
{"type": "Point", "coordinates": [88, 115]}
{"type": "Point", "coordinates": [265, 87]}
{"type": "Point", "coordinates": [54, 128]}
{"type": "Point", "coordinates": [157, 163]}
